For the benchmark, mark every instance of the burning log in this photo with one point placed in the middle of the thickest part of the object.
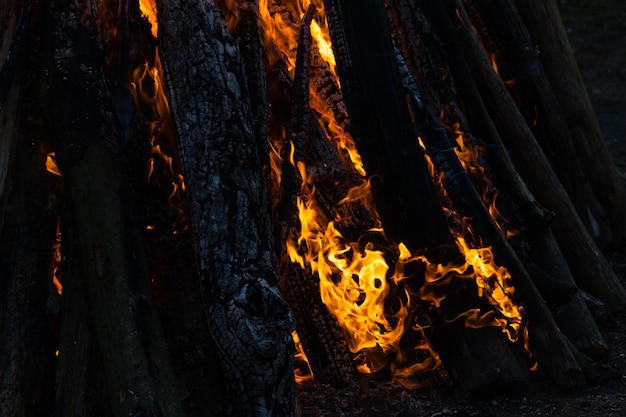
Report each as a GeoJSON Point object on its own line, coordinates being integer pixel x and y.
{"type": "Point", "coordinates": [568, 229]}
{"type": "Point", "coordinates": [321, 337]}
{"type": "Point", "coordinates": [391, 150]}
{"type": "Point", "coordinates": [543, 260]}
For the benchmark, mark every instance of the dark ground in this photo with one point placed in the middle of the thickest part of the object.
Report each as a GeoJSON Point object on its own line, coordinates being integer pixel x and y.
{"type": "Point", "coordinates": [597, 32]}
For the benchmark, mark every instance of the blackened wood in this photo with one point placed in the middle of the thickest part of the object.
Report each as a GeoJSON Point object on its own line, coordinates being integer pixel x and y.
{"type": "Point", "coordinates": [401, 184]}
{"type": "Point", "coordinates": [14, 17]}
{"type": "Point", "coordinates": [591, 271]}
{"type": "Point", "coordinates": [543, 21]}
{"type": "Point", "coordinates": [27, 342]}
{"type": "Point", "coordinates": [249, 321]}
{"type": "Point", "coordinates": [247, 33]}
{"type": "Point", "coordinates": [319, 332]}
{"type": "Point", "coordinates": [388, 144]}
{"type": "Point", "coordinates": [85, 135]}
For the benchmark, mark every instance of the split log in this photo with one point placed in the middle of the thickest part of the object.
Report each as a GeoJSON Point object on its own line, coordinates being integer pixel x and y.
{"type": "Point", "coordinates": [249, 321]}
{"type": "Point", "coordinates": [591, 271]}
{"type": "Point", "coordinates": [381, 125]}
{"type": "Point", "coordinates": [84, 136]}
{"type": "Point", "coordinates": [589, 145]}
{"type": "Point", "coordinates": [27, 343]}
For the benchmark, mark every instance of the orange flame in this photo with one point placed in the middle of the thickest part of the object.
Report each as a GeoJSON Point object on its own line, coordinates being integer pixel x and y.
{"type": "Point", "coordinates": [302, 369]}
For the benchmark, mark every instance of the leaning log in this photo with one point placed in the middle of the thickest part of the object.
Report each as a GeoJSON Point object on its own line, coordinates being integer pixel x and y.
{"type": "Point", "coordinates": [84, 136]}
{"type": "Point", "coordinates": [591, 271]}
{"type": "Point", "coordinates": [589, 145]}
{"type": "Point", "coordinates": [384, 134]}
{"type": "Point", "coordinates": [248, 319]}
{"type": "Point", "coordinates": [519, 63]}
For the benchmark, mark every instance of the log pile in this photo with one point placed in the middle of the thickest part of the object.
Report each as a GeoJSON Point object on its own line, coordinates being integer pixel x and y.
{"type": "Point", "coordinates": [185, 172]}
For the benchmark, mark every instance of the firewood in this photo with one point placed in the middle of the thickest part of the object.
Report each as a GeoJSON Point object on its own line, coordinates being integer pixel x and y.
{"type": "Point", "coordinates": [589, 145]}
{"type": "Point", "coordinates": [520, 65]}
{"type": "Point", "coordinates": [83, 133]}
{"type": "Point", "coordinates": [388, 144]}
{"type": "Point", "coordinates": [249, 321]}
{"type": "Point", "coordinates": [582, 254]}
{"type": "Point", "coordinates": [558, 282]}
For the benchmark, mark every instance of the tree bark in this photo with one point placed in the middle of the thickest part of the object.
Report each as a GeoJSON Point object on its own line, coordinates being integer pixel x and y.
{"type": "Point", "coordinates": [249, 321]}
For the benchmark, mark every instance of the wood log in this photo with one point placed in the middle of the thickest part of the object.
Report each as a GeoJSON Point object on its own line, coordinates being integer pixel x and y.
{"type": "Point", "coordinates": [249, 321]}
{"type": "Point", "coordinates": [519, 63]}
{"type": "Point", "coordinates": [558, 283]}
{"type": "Point", "coordinates": [388, 144]}
{"type": "Point", "coordinates": [589, 145]}
{"type": "Point", "coordinates": [591, 271]}
{"type": "Point", "coordinates": [319, 332]}
{"type": "Point", "coordinates": [27, 343]}
{"type": "Point", "coordinates": [84, 136]}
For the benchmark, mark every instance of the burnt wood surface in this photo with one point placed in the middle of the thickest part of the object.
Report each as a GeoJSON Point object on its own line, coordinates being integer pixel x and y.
{"type": "Point", "coordinates": [249, 321]}
{"type": "Point", "coordinates": [519, 64]}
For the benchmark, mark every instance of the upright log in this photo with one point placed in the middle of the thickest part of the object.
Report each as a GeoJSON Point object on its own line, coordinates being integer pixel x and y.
{"type": "Point", "coordinates": [84, 135]}
{"type": "Point", "coordinates": [249, 321]}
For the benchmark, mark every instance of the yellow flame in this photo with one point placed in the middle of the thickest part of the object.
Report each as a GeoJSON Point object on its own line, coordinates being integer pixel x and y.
{"type": "Point", "coordinates": [302, 368]}
{"type": "Point", "coordinates": [56, 261]}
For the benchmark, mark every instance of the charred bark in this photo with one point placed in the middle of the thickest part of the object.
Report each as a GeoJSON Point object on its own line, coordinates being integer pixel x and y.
{"type": "Point", "coordinates": [249, 321]}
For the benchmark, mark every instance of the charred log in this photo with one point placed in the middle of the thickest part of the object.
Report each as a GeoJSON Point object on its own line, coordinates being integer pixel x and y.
{"type": "Point", "coordinates": [381, 123]}
{"type": "Point", "coordinates": [249, 321]}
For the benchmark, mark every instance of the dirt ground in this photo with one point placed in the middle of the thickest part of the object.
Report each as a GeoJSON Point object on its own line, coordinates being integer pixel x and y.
{"type": "Point", "coordinates": [597, 31]}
